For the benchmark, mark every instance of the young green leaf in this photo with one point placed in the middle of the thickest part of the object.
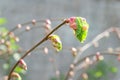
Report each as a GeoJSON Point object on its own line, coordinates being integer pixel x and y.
{"type": "Point", "coordinates": [22, 64]}
{"type": "Point", "coordinates": [19, 70]}
{"type": "Point", "coordinates": [57, 44]}
{"type": "Point", "coordinates": [80, 27]}
{"type": "Point", "coordinates": [15, 76]}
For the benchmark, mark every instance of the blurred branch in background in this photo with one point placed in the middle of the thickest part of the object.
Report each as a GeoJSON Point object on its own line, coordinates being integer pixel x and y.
{"type": "Point", "coordinates": [95, 43]}
{"type": "Point", "coordinates": [10, 51]}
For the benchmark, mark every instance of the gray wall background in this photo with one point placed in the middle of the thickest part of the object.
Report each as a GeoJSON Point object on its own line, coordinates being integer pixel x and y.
{"type": "Point", "coordinates": [100, 14]}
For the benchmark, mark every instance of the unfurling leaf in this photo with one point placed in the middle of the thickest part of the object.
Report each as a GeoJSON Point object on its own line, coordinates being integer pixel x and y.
{"type": "Point", "coordinates": [57, 44]}
{"type": "Point", "coordinates": [15, 76]}
{"type": "Point", "coordinates": [80, 27]}
{"type": "Point", "coordinates": [20, 70]}
{"type": "Point", "coordinates": [22, 64]}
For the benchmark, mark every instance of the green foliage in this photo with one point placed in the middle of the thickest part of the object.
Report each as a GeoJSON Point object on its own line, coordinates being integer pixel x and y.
{"type": "Point", "coordinates": [100, 71]}
{"type": "Point", "coordinates": [2, 21]}
{"type": "Point", "coordinates": [9, 41]}
{"type": "Point", "coordinates": [98, 74]}
{"type": "Point", "coordinates": [82, 29]}
{"type": "Point", "coordinates": [113, 69]}
{"type": "Point", "coordinates": [9, 48]}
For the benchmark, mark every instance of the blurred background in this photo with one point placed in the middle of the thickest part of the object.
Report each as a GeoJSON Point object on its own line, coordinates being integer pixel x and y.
{"type": "Point", "coordinates": [100, 14]}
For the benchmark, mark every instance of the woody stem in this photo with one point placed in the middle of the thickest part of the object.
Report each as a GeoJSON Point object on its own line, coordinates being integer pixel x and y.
{"type": "Point", "coordinates": [35, 46]}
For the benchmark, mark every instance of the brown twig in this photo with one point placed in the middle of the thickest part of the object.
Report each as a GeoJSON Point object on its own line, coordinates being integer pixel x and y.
{"type": "Point", "coordinates": [44, 39]}
{"type": "Point", "coordinates": [31, 22]}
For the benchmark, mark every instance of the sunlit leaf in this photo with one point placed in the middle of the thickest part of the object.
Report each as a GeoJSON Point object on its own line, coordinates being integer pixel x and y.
{"type": "Point", "coordinates": [80, 28]}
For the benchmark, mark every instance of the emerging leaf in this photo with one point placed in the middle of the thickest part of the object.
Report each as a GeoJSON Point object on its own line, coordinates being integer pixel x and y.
{"type": "Point", "coordinates": [16, 76]}
{"type": "Point", "coordinates": [57, 44]}
{"type": "Point", "coordinates": [22, 64]}
{"type": "Point", "coordinates": [80, 27]}
{"type": "Point", "coordinates": [19, 70]}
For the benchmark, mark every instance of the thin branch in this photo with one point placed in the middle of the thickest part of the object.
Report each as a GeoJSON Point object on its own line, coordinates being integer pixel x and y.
{"type": "Point", "coordinates": [31, 22]}
{"type": "Point", "coordinates": [44, 39]}
{"type": "Point", "coordinates": [89, 44]}
{"type": "Point", "coordinates": [88, 56]}
{"type": "Point", "coordinates": [116, 53]}
{"type": "Point", "coordinates": [22, 32]}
